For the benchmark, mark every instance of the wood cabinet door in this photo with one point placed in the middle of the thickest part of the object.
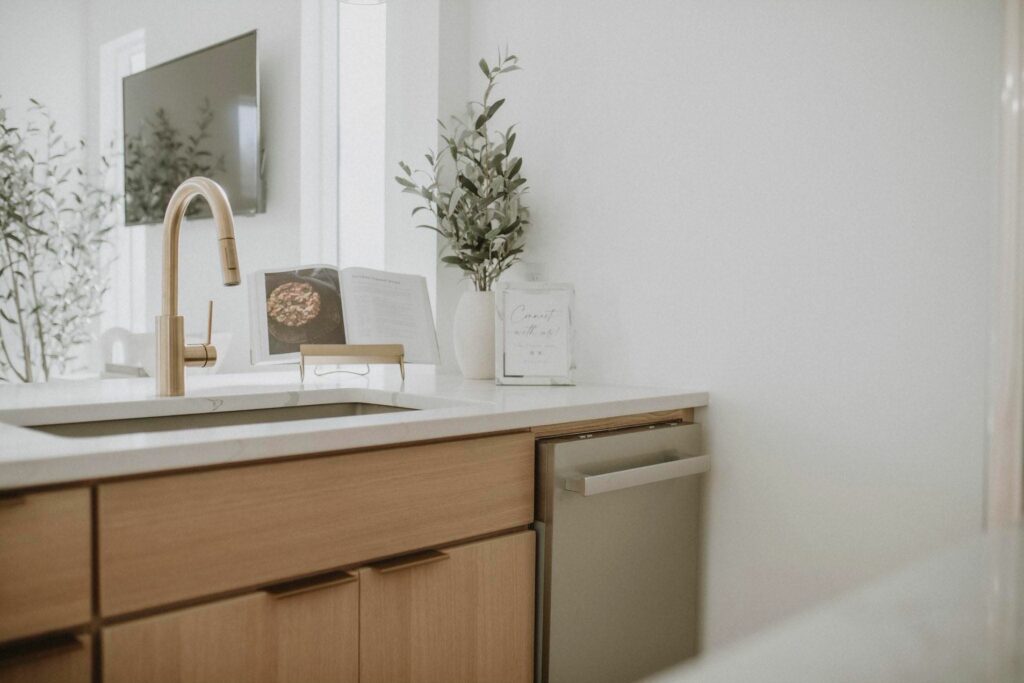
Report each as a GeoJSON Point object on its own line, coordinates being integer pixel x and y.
{"type": "Point", "coordinates": [229, 640]}
{"type": "Point", "coordinates": [461, 615]}
{"type": "Point", "coordinates": [300, 632]}
{"type": "Point", "coordinates": [316, 624]}
{"type": "Point", "coordinates": [63, 658]}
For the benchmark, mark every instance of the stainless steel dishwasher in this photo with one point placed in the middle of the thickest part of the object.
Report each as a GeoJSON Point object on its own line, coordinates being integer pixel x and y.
{"type": "Point", "coordinates": [618, 520]}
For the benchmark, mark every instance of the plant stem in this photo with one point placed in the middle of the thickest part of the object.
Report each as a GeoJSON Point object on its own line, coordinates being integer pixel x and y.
{"type": "Point", "coordinates": [32, 269]}
{"type": "Point", "coordinates": [37, 310]}
{"type": "Point", "coordinates": [26, 351]}
{"type": "Point", "coordinates": [10, 363]}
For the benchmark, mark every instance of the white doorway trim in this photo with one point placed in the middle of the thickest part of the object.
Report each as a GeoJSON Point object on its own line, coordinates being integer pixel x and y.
{"type": "Point", "coordinates": [125, 302]}
{"type": "Point", "coordinates": [318, 134]}
{"type": "Point", "coordinates": [1005, 458]}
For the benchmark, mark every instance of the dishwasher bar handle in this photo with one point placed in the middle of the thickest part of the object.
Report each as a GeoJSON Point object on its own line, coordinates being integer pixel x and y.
{"type": "Point", "coordinates": [638, 476]}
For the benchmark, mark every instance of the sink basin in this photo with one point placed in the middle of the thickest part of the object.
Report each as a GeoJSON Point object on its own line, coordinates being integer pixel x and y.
{"type": "Point", "coordinates": [171, 423]}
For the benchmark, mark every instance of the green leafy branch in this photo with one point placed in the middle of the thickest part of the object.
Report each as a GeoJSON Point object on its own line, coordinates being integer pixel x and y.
{"type": "Point", "coordinates": [53, 225]}
{"type": "Point", "coordinates": [476, 206]}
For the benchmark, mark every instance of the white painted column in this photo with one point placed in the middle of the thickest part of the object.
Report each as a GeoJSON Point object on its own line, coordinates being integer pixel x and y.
{"type": "Point", "coordinates": [318, 132]}
{"type": "Point", "coordinates": [1005, 463]}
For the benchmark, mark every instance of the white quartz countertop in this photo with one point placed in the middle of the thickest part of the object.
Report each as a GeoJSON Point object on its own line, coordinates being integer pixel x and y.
{"type": "Point", "coordinates": [447, 406]}
{"type": "Point", "coordinates": [957, 617]}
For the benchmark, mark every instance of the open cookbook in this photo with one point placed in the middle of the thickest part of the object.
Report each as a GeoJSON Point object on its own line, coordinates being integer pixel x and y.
{"type": "Point", "coordinates": [321, 304]}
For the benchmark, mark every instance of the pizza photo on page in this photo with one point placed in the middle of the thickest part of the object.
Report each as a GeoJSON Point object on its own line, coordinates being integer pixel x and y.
{"type": "Point", "coordinates": [302, 307]}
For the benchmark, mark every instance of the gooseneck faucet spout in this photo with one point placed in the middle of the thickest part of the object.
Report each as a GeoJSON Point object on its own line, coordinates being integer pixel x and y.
{"type": "Point", "coordinates": [172, 354]}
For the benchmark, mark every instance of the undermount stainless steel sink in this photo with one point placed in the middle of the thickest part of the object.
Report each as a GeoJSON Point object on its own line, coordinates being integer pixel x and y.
{"type": "Point", "coordinates": [171, 423]}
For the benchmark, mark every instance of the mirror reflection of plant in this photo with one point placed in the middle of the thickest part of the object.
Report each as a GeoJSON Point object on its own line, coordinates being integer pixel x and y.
{"type": "Point", "coordinates": [480, 213]}
{"type": "Point", "coordinates": [53, 224]}
{"type": "Point", "coordinates": [158, 159]}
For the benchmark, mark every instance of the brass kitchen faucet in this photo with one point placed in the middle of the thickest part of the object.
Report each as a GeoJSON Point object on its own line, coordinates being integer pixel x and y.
{"type": "Point", "coordinates": [172, 353]}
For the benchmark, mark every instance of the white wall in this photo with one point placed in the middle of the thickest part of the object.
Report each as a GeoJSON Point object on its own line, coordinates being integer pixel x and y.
{"type": "Point", "coordinates": [266, 240]}
{"type": "Point", "coordinates": [362, 125]}
{"type": "Point", "coordinates": [455, 69]}
{"type": "Point", "coordinates": [40, 41]}
{"type": "Point", "coordinates": [412, 103]}
{"type": "Point", "coordinates": [790, 204]}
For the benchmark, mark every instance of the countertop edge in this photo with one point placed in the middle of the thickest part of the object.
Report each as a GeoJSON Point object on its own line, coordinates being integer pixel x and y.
{"type": "Point", "coordinates": [77, 467]}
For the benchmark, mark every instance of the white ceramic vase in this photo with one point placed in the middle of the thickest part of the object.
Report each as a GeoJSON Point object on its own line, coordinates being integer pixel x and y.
{"type": "Point", "coordinates": [473, 335]}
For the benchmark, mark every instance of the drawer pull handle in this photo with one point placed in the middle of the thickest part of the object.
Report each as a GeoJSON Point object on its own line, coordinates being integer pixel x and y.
{"type": "Point", "coordinates": [638, 476]}
{"type": "Point", "coordinates": [313, 583]}
{"type": "Point", "coordinates": [12, 501]}
{"type": "Point", "coordinates": [38, 648]}
{"type": "Point", "coordinates": [409, 561]}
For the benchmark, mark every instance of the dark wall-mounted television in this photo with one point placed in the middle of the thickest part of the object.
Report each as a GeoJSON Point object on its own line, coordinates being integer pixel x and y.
{"type": "Point", "coordinates": [194, 115]}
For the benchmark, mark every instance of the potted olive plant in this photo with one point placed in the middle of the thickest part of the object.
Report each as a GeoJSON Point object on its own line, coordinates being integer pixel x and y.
{"type": "Point", "coordinates": [473, 188]}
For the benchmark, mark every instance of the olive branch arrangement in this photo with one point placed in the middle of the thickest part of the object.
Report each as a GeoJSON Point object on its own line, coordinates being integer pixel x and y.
{"type": "Point", "coordinates": [479, 213]}
{"type": "Point", "coordinates": [53, 224]}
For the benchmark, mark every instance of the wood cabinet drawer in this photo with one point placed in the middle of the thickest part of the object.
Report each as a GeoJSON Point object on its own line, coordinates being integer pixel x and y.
{"type": "Point", "coordinates": [177, 537]}
{"type": "Point", "coordinates": [67, 659]}
{"type": "Point", "coordinates": [45, 562]}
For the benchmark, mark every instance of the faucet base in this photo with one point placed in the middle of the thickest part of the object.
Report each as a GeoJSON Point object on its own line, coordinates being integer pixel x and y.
{"type": "Point", "coordinates": [170, 355]}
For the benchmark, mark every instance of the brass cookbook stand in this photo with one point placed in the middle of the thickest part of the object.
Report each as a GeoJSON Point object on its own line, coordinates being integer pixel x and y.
{"type": "Point", "coordinates": [348, 354]}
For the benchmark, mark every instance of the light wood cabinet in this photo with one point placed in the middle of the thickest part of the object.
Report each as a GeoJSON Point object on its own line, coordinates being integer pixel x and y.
{"type": "Point", "coordinates": [317, 631]}
{"type": "Point", "coordinates": [61, 659]}
{"type": "Point", "coordinates": [45, 562]}
{"type": "Point", "coordinates": [341, 568]}
{"type": "Point", "coordinates": [306, 632]}
{"type": "Point", "coordinates": [178, 537]}
{"type": "Point", "coordinates": [461, 615]}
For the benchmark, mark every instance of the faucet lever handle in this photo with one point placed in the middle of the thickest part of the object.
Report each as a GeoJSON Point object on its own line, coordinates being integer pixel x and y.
{"type": "Point", "coordinates": [209, 323]}
{"type": "Point", "coordinates": [202, 355]}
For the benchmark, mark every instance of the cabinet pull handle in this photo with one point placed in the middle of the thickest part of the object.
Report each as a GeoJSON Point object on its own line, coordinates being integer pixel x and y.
{"type": "Point", "coordinates": [638, 476]}
{"type": "Point", "coordinates": [409, 561]}
{"type": "Point", "coordinates": [313, 583]}
{"type": "Point", "coordinates": [39, 648]}
{"type": "Point", "coordinates": [12, 501]}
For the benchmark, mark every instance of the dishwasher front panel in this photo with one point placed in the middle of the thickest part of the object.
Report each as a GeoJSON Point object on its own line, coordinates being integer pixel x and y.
{"type": "Point", "coordinates": [618, 522]}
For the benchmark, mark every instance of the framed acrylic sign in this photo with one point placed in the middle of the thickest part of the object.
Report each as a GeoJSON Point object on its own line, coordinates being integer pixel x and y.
{"type": "Point", "coordinates": [533, 334]}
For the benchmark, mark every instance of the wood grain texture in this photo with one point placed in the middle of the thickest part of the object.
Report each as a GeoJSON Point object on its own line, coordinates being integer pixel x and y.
{"type": "Point", "coordinates": [178, 537]}
{"type": "Point", "coordinates": [318, 635]}
{"type": "Point", "coordinates": [45, 562]}
{"type": "Point", "coordinates": [308, 637]}
{"type": "Point", "coordinates": [223, 641]}
{"type": "Point", "coordinates": [464, 620]}
{"type": "Point", "coordinates": [61, 664]}
{"type": "Point", "coordinates": [619, 422]}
